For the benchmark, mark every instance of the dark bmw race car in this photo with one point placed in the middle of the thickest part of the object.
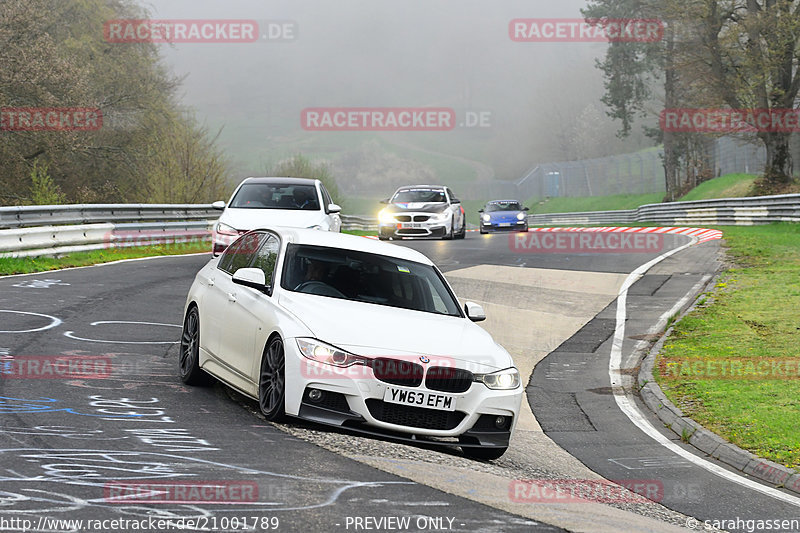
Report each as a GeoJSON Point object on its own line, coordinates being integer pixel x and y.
{"type": "Point", "coordinates": [422, 211]}
{"type": "Point", "coordinates": [503, 215]}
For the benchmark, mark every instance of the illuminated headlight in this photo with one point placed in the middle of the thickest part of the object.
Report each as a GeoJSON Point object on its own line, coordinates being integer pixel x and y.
{"type": "Point", "coordinates": [325, 353]}
{"type": "Point", "coordinates": [386, 217]}
{"type": "Point", "coordinates": [502, 380]}
{"type": "Point", "coordinates": [225, 229]}
{"type": "Point", "coordinates": [520, 216]}
{"type": "Point", "coordinates": [438, 217]}
{"type": "Point", "coordinates": [486, 218]}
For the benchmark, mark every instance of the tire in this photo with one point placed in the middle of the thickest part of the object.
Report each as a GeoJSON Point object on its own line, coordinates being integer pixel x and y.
{"type": "Point", "coordinates": [381, 237]}
{"type": "Point", "coordinates": [483, 231]}
{"type": "Point", "coordinates": [463, 233]}
{"type": "Point", "coordinates": [189, 360]}
{"type": "Point", "coordinates": [449, 236]}
{"type": "Point", "coordinates": [272, 381]}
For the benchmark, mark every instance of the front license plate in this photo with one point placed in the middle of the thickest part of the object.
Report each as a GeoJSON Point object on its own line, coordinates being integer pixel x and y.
{"type": "Point", "coordinates": [428, 400]}
{"type": "Point", "coordinates": [504, 224]}
{"type": "Point", "coordinates": [411, 225]}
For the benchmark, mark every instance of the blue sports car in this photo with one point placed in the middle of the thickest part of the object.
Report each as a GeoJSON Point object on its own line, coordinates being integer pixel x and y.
{"type": "Point", "coordinates": [503, 215]}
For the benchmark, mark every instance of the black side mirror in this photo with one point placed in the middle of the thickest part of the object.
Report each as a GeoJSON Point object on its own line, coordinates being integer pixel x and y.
{"type": "Point", "coordinates": [385, 201]}
{"type": "Point", "coordinates": [480, 210]}
{"type": "Point", "coordinates": [526, 209]}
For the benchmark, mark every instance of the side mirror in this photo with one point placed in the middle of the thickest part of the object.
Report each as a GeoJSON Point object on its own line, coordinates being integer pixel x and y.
{"type": "Point", "coordinates": [526, 208]}
{"type": "Point", "coordinates": [253, 278]}
{"type": "Point", "coordinates": [455, 201]}
{"type": "Point", "coordinates": [480, 210]}
{"type": "Point", "coordinates": [474, 312]}
{"type": "Point", "coordinates": [219, 205]}
{"type": "Point", "coordinates": [385, 201]}
{"type": "Point", "coordinates": [334, 208]}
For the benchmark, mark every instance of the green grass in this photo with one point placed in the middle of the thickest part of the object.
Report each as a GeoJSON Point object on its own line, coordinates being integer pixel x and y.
{"type": "Point", "coordinates": [727, 186]}
{"type": "Point", "coordinates": [26, 265]}
{"type": "Point", "coordinates": [592, 203]}
{"type": "Point", "coordinates": [754, 313]}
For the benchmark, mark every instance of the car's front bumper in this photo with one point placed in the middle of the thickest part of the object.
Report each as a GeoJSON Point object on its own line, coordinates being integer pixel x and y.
{"type": "Point", "coordinates": [354, 398]}
{"type": "Point", "coordinates": [517, 225]}
{"type": "Point", "coordinates": [411, 225]}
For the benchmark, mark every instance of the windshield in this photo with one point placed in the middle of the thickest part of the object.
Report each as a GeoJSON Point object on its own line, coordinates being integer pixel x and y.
{"type": "Point", "coordinates": [418, 195]}
{"type": "Point", "coordinates": [276, 196]}
{"type": "Point", "coordinates": [503, 206]}
{"type": "Point", "coordinates": [368, 278]}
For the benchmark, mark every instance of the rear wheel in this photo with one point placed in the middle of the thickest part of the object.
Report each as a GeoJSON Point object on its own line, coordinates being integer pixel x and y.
{"type": "Point", "coordinates": [272, 381]}
{"type": "Point", "coordinates": [189, 362]}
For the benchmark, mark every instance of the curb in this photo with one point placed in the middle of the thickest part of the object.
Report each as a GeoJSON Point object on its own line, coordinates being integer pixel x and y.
{"type": "Point", "coordinates": [701, 438]}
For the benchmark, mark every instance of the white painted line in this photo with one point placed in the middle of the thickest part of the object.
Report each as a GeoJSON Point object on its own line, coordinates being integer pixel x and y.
{"type": "Point", "coordinates": [634, 415]}
{"type": "Point", "coordinates": [53, 321]}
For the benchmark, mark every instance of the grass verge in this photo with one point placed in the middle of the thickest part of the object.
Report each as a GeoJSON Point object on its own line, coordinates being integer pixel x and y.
{"type": "Point", "coordinates": [751, 317]}
{"type": "Point", "coordinates": [592, 203]}
{"type": "Point", "coordinates": [27, 265]}
{"type": "Point", "coordinates": [727, 186]}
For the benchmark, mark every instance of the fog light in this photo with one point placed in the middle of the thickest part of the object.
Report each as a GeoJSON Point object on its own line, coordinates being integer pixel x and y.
{"type": "Point", "coordinates": [500, 422]}
{"type": "Point", "coordinates": [315, 395]}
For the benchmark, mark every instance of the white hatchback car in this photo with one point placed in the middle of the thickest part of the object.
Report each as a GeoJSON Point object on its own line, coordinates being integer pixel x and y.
{"type": "Point", "coordinates": [264, 202]}
{"type": "Point", "coordinates": [352, 332]}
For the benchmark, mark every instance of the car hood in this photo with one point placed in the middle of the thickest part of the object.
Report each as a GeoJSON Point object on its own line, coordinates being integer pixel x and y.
{"type": "Point", "coordinates": [247, 219]}
{"type": "Point", "coordinates": [424, 207]}
{"type": "Point", "coordinates": [504, 216]}
{"type": "Point", "coordinates": [374, 330]}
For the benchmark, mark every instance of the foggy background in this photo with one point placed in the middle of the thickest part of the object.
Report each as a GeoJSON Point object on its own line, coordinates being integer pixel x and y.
{"type": "Point", "coordinates": [544, 98]}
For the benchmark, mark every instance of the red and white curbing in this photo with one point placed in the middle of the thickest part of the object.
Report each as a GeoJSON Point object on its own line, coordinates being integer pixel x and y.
{"type": "Point", "coordinates": [702, 234]}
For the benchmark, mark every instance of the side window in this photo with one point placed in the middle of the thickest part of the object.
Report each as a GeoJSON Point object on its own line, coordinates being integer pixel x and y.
{"type": "Point", "coordinates": [240, 253]}
{"type": "Point", "coordinates": [326, 197]}
{"type": "Point", "coordinates": [452, 196]}
{"type": "Point", "coordinates": [267, 257]}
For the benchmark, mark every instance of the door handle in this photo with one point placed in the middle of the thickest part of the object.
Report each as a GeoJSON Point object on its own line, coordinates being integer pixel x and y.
{"type": "Point", "coordinates": [231, 297]}
{"type": "Point", "coordinates": [211, 282]}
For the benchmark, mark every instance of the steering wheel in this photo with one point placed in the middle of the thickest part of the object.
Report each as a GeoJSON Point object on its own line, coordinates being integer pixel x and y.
{"type": "Point", "coordinates": [320, 288]}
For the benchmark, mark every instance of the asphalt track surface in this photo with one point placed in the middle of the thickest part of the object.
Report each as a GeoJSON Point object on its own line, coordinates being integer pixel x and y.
{"type": "Point", "coordinates": [66, 444]}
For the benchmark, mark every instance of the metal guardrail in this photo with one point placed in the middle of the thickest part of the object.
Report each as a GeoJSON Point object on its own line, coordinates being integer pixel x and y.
{"type": "Point", "coordinates": [723, 212]}
{"type": "Point", "coordinates": [43, 215]}
{"type": "Point", "coordinates": [43, 230]}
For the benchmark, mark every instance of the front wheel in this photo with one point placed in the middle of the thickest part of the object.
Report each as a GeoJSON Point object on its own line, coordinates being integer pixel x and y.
{"type": "Point", "coordinates": [189, 363]}
{"type": "Point", "coordinates": [452, 233]}
{"type": "Point", "coordinates": [463, 233]}
{"type": "Point", "coordinates": [272, 382]}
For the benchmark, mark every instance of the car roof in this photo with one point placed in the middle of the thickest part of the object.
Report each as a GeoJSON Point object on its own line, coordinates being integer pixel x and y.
{"type": "Point", "coordinates": [344, 241]}
{"type": "Point", "coordinates": [421, 186]}
{"type": "Point", "coordinates": [503, 201]}
{"type": "Point", "coordinates": [285, 180]}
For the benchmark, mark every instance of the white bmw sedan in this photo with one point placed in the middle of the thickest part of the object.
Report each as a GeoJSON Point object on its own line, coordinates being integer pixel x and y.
{"type": "Point", "coordinates": [351, 332]}
{"type": "Point", "coordinates": [263, 202]}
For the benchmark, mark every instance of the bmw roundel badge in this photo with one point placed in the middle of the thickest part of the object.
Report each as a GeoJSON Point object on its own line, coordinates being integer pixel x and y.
{"type": "Point", "coordinates": [424, 359]}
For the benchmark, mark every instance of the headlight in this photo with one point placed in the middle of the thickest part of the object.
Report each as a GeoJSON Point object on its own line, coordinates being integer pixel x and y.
{"type": "Point", "coordinates": [385, 217]}
{"type": "Point", "coordinates": [520, 216]}
{"type": "Point", "coordinates": [225, 229]}
{"type": "Point", "coordinates": [486, 218]}
{"type": "Point", "coordinates": [325, 353]}
{"type": "Point", "coordinates": [440, 216]}
{"type": "Point", "coordinates": [502, 380]}
{"type": "Point", "coordinates": [315, 227]}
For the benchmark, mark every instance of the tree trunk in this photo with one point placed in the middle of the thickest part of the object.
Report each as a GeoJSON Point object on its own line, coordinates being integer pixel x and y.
{"type": "Point", "coordinates": [778, 168]}
{"type": "Point", "coordinates": [670, 150]}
